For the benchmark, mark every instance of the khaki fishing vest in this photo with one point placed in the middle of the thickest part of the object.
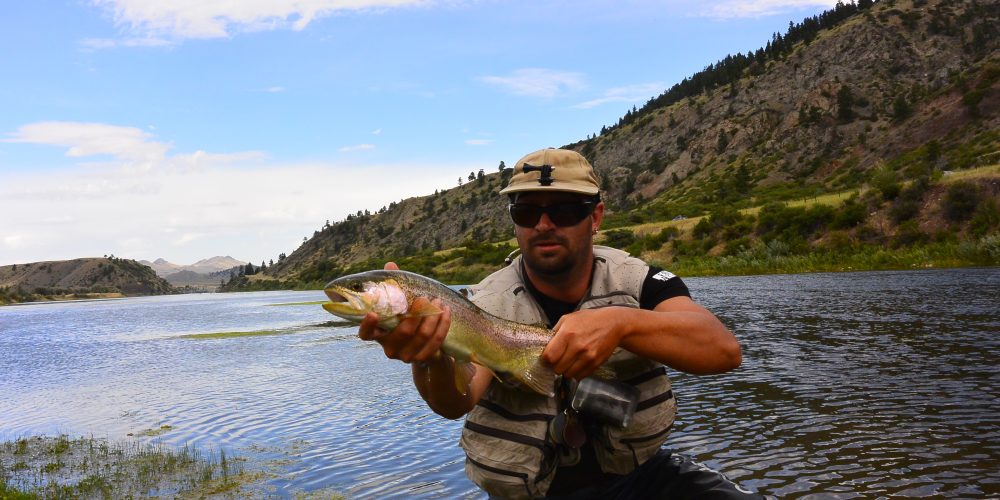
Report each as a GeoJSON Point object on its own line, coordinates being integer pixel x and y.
{"type": "Point", "coordinates": [509, 452]}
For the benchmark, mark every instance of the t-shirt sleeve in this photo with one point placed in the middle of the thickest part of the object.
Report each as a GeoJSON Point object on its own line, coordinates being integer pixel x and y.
{"type": "Point", "coordinates": [661, 285]}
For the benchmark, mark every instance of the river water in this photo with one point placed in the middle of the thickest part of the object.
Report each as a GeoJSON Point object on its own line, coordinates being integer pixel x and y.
{"type": "Point", "coordinates": [852, 385]}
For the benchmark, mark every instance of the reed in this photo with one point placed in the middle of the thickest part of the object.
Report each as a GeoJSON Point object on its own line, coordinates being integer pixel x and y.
{"type": "Point", "coordinates": [64, 467]}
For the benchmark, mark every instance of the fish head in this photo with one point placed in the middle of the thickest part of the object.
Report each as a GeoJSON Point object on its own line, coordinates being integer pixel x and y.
{"type": "Point", "coordinates": [352, 297]}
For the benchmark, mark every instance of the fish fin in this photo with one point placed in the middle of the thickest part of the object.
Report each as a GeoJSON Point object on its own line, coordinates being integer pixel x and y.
{"type": "Point", "coordinates": [427, 310]}
{"type": "Point", "coordinates": [539, 378]}
{"type": "Point", "coordinates": [463, 376]}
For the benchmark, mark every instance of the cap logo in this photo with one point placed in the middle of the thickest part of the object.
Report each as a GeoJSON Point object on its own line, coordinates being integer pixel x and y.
{"type": "Point", "coordinates": [546, 170]}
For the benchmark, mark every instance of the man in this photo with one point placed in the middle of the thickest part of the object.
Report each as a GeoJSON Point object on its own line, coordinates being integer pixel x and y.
{"type": "Point", "coordinates": [608, 312]}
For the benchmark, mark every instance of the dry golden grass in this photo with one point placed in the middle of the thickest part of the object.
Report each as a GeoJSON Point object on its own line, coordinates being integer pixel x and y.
{"type": "Point", "coordinates": [972, 173]}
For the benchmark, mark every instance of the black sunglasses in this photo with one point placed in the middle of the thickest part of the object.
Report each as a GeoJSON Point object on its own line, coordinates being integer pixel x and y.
{"type": "Point", "coordinates": [561, 214]}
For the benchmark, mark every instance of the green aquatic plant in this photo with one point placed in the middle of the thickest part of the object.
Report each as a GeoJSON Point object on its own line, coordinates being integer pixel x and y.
{"type": "Point", "coordinates": [230, 335]}
{"type": "Point", "coordinates": [64, 467]}
{"type": "Point", "coordinates": [262, 333]}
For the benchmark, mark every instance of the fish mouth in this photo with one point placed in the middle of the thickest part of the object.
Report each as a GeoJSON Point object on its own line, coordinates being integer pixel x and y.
{"type": "Point", "coordinates": [345, 302]}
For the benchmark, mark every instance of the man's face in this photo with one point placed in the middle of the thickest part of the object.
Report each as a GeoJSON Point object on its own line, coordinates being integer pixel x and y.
{"type": "Point", "coordinates": [549, 249]}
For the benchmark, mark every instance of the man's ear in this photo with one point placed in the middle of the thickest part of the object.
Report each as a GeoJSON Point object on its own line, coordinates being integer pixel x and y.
{"type": "Point", "coordinates": [598, 215]}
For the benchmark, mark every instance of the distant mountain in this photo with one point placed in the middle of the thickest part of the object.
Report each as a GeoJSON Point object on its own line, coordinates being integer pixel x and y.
{"type": "Point", "coordinates": [79, 278]}
{"type": "Point", "coordinates": [214, 264]}
{"type": "Point", "coordinates": [161, 266]}
{"type": "Point", "coordinates": [207, 266]}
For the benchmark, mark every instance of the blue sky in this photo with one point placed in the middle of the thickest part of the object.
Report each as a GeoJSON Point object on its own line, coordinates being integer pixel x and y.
{"type": "Point", "coordinates": [193, 128]}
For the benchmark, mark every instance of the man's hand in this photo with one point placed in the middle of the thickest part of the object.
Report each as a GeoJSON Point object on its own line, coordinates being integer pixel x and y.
{"type": "Point", "coordinates": [583, 341]}
{"type": "Point", "coordinates": [414, 339]}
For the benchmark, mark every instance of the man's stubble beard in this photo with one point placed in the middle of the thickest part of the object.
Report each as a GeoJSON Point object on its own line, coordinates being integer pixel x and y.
{"type": "Point", "coordinates": [555, 267]}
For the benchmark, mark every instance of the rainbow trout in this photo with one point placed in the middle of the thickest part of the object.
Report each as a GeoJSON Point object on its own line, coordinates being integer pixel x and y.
{"type": "Point", "coordinates": [511, 350]}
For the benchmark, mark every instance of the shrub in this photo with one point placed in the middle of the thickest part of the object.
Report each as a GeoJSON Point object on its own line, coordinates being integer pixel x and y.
{"type": "Point", "coordinates": [737, 246]}
{"type": "Point", "coordinates": [985, 219]}
{"type": "Point", "coordinates": [703, 228]}
{"type": "Point", "coordinates": [960, 201]}
{"type": "Point", "coordinates": [903, 210]}
{"type": "Point", "coordinates": [869, 234]}
{"type": "Point", "coordinates": [909, 234]}
{"type": "Point", "coordinates": [849, 215]}
{"type": "Point", "coordinates": [884, 180]}
{"type": "Point", "coordinates": [839, 240]}
{"type": "Point", "coordinates": [619, 238]}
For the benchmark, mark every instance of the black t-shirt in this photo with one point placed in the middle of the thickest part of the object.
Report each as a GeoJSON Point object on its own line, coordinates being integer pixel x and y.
{"type": "Point", "coordinates": [658, 286]}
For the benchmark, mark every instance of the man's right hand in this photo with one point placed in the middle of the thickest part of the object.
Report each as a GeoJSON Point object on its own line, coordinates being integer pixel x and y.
{"type": "Point", "coordinates": [414, 339]}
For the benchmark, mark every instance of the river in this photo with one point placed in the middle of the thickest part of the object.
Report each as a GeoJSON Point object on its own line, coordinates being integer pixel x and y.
{"type": "Point", "coordinates": [852, 385]}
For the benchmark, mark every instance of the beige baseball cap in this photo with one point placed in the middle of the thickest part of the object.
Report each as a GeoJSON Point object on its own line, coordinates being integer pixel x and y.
{"type": "Point", "coordinates": [553, 170]}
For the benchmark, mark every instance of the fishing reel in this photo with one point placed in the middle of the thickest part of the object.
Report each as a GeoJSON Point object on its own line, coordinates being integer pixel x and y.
{"type": "Point", "coordinates": [593, 400]}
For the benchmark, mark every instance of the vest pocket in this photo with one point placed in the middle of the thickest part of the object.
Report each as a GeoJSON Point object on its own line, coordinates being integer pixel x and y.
{"type": "Point", "coordinates": [624, 449]}
{"type": "Point", "coordinates": [507, 464]}
{"type": "Point", "coordinates": [507, 446]}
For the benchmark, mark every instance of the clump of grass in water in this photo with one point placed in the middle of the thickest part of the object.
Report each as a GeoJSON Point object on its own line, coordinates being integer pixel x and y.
{"type": "Point", "coordinates": [262, 333]}
{"type": "Point", "coordinates": [313, 303]}
{"type": "Point", "coordinates": [60, 467]}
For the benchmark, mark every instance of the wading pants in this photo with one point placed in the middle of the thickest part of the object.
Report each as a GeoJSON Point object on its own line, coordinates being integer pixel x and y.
{"type": "Point", "coordinates": [667, 476]}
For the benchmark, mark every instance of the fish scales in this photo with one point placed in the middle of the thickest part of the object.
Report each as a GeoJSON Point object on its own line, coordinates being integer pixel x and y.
{"type": "Point", "coordinates": [511, 350]}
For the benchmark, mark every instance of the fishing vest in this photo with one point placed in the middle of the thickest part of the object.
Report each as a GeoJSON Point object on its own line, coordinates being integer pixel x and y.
{"type": "Point", "coordinates": [509, 451]}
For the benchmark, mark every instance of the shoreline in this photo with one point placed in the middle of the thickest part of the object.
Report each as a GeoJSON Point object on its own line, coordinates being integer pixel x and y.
{"type": "Point", "coordinates": [681, 270]}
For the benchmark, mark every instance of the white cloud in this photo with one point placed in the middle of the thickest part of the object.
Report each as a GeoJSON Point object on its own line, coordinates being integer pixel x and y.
{"type": "Point", "coordinates": [187, 19]}
{"type": "Point", "coordinates": [479, 142]}
{"type": "Point", "coordinates": [537, 82]}
{"type": "Point", "coordinates": [89, 139]}
{"type": "Point", "coordinates": [91, 44]}
{"type": "Point", "coordinates": [250, 213]}
{"type": "Point", "coordinates": [759, 8]}
{"type": "Point", "coordinates": [201, 159]}
{"type": "Point", "coordinates": [135, 150]}
{"type": "Point", "coordinates": [377, 131]}
{"type": "Point", "coordinates": [275, 90]}
{"type": "Point", "coordinates": [356, 147]}
{"type": "Point", "coordinates": [631, 93]}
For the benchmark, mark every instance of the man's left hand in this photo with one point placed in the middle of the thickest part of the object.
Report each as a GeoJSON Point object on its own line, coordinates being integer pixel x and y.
{"type": "Point", "coordinates": [583, 341]}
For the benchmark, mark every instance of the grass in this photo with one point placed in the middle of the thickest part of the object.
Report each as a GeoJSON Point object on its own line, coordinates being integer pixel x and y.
{"type": "Point", "coordinates": [63, 467]}
{"type": "Point", "coordinates": [156, 432]}
{"type": "Point", "coordinates": [972, 173]}
{"type": "Point", "coordinates": [264, 333]}
{"type": "Point", "coordinates": [232, 335]}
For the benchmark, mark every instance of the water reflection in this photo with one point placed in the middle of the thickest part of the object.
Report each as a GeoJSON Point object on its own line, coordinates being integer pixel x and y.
{"type": "Point", "coordinates": [864, 384]}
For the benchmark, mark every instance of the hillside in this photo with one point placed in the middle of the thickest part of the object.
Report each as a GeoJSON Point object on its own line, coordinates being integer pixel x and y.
{"type": "Point", "coordinates": [78, 278]}
{"type": "Point", "coordinates": [820, 114]}
{"type": "Point", "coordinates": [859, 99]}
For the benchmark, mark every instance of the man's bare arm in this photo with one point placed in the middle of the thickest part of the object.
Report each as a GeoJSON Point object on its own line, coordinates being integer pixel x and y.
{"type": "Point", "coordinates": [678, 333]}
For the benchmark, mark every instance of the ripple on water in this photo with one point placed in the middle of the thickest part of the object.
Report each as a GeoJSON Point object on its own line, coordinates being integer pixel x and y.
{"type": "Point", "coordinates": [852, 386]}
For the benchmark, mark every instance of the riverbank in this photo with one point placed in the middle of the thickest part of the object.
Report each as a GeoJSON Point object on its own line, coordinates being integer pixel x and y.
{"type": "Point", "coordinates": [772, 259]}
{"type": "Point", "coordinates": [79, 297]}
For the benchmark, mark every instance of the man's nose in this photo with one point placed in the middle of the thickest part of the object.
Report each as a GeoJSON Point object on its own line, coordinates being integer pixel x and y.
{"type": "Point", "coordinates": [544, 223]}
